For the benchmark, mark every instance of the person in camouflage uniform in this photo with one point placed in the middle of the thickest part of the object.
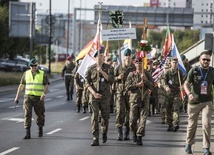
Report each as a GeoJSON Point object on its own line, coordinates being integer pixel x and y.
{"type": "Point", "coordinates": [185, 97]}
{"type": "Point", "coordinates": [68, 76]}
{"type": "Point", "coordinates": [162, 95]}
{"type": "Point", "coordinates": [139, 108]}
{"type": "Point", "coordinates": [99, 97]}
{"type": "Point", "coordinates": [34, 96]}
{"type": "Point", "coordinates": [79, 84]}
{"type": "Point", "coordinates": [172, 87]}
{"type": "Point", "coordinates": [122, 97]}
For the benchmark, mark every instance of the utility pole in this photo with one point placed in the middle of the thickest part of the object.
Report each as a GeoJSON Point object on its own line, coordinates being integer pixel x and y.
{"type": "Point", "coordinates": [50, 37]}
{"type": "Point", "coordinates": [68, 28]}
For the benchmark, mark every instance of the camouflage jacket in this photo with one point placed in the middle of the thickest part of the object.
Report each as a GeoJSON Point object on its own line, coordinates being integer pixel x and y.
{"type": "Point", "coordinates": [67, 70]}
{"type": "Point", "coordinates": [171, 80]}
{"type": "Point", "coordinates": [79, 80]}
{"type": "Point", "coordinates": [104, 85]}
{"type": "Point", "coordinates": [160, 81]}
{"type": "Point", "coordinates": [135, 92]}
{"type": "Point", "coordinates": [120, 84]}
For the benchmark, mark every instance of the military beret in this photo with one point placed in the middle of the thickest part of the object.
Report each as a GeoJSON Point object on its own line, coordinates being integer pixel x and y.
{"type": "Point", "coordinates": [114, 59]}
{"type": "Point", "coordinates": [127, 52]}
{"type": "Point", "coordinates": [183, 57]}
{"type": "Point", "coordinates": [101, 52]}
{"type": "Point", "coordinates": [32, 62]}
{"type": "Point", "coordinates": [174, 59]}
{"type": "Point", "coordinates": [69, 58]}
{"type": "Point", "coordinates": [133, 57]}
{"type": "Point", "coordinates": [138, 59]}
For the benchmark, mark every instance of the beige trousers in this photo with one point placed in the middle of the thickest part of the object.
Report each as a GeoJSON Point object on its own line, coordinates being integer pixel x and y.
{"type": "Point", "coordinates": [206, 109]}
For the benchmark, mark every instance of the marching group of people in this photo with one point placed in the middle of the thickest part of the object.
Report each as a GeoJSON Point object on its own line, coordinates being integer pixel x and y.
{"type": "Point", "coordinates": [129, 89]}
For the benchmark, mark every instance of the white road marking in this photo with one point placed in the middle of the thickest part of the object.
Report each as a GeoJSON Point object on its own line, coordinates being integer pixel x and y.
{"type": "Point", "coordinates": [12, 107]}
{"type": "Point", "coordinates": [53, 90]}
{"type": "Point", "coordinates": [48, 99]}
{"type": "Point", "coordinates": [84, 118]}
{"type": "Point", "coordinates": [54, 131]}
{"type": "Point", "coordinates": [6, 99]}
{"type": "Point", "coordinates": [17, 120]}
{"type": "Point", "coordinates": [9, 151]}
{"type": "Point", "coordinates": [59, 96]}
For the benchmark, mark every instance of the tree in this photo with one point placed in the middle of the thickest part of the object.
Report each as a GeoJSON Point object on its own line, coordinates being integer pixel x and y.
{"type": "Point", "coordinates": [9, 46]}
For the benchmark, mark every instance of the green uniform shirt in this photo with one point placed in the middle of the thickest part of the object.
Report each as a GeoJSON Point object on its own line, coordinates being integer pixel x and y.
{"type": "Point", "coordinates": [195, 78]}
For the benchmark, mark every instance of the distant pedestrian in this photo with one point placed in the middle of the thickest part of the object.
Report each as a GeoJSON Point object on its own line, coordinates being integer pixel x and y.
{"type": "Point", "coordinates": [68, 76]}
{"type": "Point", "coordinates": [102, 75]}
{"type": "Point", "coordinates": [36, 84]}
{"type": "Point", "coordinates": [198, 87]}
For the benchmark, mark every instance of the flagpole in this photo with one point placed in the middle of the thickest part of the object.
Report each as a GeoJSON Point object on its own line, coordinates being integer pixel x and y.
{"type": "Point", "coordinates": [179, 78]}
{"type": "Point", "coordinates": [98, 43]}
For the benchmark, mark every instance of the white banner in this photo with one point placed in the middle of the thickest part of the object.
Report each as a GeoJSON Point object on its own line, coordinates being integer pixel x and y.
{"type": "Point", "coordinates": [118, 34]}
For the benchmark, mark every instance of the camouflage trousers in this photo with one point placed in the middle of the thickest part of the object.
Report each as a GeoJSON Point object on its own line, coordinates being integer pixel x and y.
{"type": "Point", "coordinates": [79, 95]}
{"type": "Point", "coordinates": [162, 99]}
{"type": "Point", "coordinates": [173, 109]}
{"type": "Point", "coordinates": [31, 102]}
{"type": "Point", "coordinates": [103, 107]}
{"type": "Point", "coordinates": [122, 110]}
{"type": "Point", "coordinates": [138, 116]}
{"type": "Point", "coordinates": [69, 85]}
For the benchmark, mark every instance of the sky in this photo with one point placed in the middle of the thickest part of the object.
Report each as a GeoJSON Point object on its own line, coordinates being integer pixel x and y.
{"type": "Point", "coordinates": [61, 6]}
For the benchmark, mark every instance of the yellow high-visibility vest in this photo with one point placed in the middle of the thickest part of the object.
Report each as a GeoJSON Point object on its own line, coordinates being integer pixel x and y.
{"type": "Point", "coordinates": [34, 86]}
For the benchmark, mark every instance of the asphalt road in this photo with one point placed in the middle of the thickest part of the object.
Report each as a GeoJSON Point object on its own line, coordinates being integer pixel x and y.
{"type": "Point", "coordinates": [69, 133]}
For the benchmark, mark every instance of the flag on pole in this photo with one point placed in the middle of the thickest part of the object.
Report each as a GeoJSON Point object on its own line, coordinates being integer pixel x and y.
{"type": "Point", "coordinates": [176, 54]}
{"type": "Point", "coordinates": [106, 49]}
{"type": "Point", "coordinates": [87, 61]}
{"type": "Point", "coordinates": [159, 71]}
{"type": "Point", "coordinates": [168, 42]}
{"type": "Point", "coordinates": [126, 44]}
{"type": "Point", "coordinates": [91, 46]}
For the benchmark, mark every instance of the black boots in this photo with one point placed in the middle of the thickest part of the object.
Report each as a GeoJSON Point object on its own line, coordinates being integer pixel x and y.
{"type": "Point", "coordinates": [120, 133]}
{"type": "Point", "coordinates": [78, 108]}
{"type": "Point", "coordinates": [84, 109]}
{"type": "Point", "coordinates": [139, 140]}
{"type": "Point", "coordinates": [68, 97]}
{"type": "Point", "coordinates": [126, 134]}
{"type": "Point", "coordinates": [95, 142]}
{"type": "Point", "coordinates": [170, 128]}
{"type": "Point", "coordinates": [134, 138]}
{"type": "Point", "coordinates": [40, 133]}
{"type": "Point", "coordinates": [104, 137]}
{"type": "Point", "coordinates": [27, 136]}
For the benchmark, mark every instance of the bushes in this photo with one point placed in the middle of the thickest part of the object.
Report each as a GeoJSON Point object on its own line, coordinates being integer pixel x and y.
{"type": "Point", "coordinates": [10, 78]}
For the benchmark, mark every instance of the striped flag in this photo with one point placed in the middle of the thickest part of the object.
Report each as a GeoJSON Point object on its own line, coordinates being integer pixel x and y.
{"type": "Point", "coordinates": [159, 71]}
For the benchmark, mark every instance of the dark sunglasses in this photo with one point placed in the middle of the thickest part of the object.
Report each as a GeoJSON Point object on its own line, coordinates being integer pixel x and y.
{"type": "Point", "coordinates": [33, 65]}
{"type": "Point", "coordinates": [208, 60]}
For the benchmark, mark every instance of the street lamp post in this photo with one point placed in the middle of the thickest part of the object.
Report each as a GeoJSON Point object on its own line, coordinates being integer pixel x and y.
{"type": "Point", "coordinates": [50, 37]}
{"type": "Point", "coordinates": [68, 28]}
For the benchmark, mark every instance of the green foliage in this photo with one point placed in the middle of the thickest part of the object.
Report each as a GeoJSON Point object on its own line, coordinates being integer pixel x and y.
{"type": "Point", "coordinates": [183, 38]}
{"type": "Point", "coordinates": [10, 46]}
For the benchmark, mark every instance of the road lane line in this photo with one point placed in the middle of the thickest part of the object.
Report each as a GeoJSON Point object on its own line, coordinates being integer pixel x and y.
{"type": "Point", "coordinates": [59, 96]}
{"type": "Point", "coordinates": [9, 151]}
{"type": "Point", "coordinates": [49, 133]}
{"type": "Point", "coordinates": [84, 118]}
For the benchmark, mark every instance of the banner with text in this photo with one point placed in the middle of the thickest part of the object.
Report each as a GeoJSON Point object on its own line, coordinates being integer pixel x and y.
{"type": "Point", "coordinates": [118, 34]}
